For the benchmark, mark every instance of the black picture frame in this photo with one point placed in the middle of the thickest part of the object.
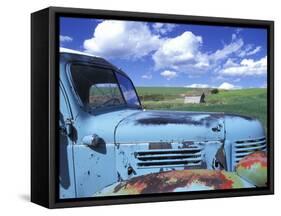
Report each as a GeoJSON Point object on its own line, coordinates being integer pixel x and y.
{"type": "Point", "coordinates": [44, 105]}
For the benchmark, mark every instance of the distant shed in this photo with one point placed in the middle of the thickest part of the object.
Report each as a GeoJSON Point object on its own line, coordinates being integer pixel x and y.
{"type": "Point", "coordinates": [195, 99]}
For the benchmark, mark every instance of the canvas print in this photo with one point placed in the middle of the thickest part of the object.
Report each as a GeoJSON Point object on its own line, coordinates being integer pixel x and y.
{"type": "Point", "coordinates": [152, 107]}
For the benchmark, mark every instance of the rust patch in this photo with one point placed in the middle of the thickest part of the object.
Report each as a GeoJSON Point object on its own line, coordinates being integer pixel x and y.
{"type": "Point", "coordinates": [254, 158]}
{"type": "Point", "coordinates": [171, 180]}
{"type": "Point", "coordinates": [253, 168]}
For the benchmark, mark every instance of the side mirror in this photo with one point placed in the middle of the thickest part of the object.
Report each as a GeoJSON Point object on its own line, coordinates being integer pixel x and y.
{"type": "Point", "coordinates": [92, 140]}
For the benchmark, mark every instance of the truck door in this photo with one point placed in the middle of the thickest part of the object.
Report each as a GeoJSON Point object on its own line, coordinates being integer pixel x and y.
{"type": "Point", "coordinates": [67, 188]}
{"type": "Point", "coordinates": [94, 147]}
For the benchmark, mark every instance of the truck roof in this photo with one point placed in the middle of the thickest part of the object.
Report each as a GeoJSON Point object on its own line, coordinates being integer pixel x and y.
{"type": "Point", "coordinates": [66, 50]}
{"type": "Point", "coordinates": [97, 58]}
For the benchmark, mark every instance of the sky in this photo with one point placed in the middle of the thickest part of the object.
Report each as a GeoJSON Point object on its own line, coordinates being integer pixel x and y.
{"type": "Point", "coordinates": [176, 55]}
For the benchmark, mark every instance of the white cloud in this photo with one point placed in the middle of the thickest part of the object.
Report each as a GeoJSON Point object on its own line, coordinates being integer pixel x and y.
{"type": "Point", "coordinates": [169, 74]}
{"type": "Point", "coordinates": [254, 51]}
{"type": "Point", "coordinates": [122, 39]}
{"type": "Point", "coordinates": [230, 63]}
{"type": "Point", "coordinates": [163, 28]}
{"type": "Point", "coordinates": [180, 54]}
{"type": "Point", "coordinates": [147, 76]}
{"type": "Point", "coordinates": [197, 85]}
{"type": "Point", "coordinates": [249, 50]}
{"type": "Point", "coordinates": [228, 86]}
{"type": "Point", "coordinates": [225, 85]}
{"type": "Point", "coordinates": [183, 54]}
{"type": "Point", "coordinates": [65, 38]}
{"type": "Point", "coordinates": [228, 49]}
{"type": "Point", "coordinates": [247, 67]}
{"type": "Point", "coordinates": [181, 51]}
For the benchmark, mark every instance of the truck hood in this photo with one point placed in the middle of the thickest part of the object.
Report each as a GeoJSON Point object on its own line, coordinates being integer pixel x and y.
{"type": "Point", "coordinates": [169, 126]}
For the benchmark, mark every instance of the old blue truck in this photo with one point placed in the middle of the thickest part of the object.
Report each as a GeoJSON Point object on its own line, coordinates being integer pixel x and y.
{"type": "Point", "coordinates": [107, 137]}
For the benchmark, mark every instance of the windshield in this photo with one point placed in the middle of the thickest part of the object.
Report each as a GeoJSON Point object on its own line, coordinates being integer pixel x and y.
{"type": "Point", "coordinates": [98, 88]}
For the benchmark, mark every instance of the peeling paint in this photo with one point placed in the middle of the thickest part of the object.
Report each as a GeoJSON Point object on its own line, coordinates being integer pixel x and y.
{"type": "Point", "coordinates": [171, 181]}
{"type": "Point", "coordinates": [220, 159]}
{"type": "Point", "coordinates": [253, 168]}
{"type": "Point", "coordinates": [165, 126]}
{"type": "Point", "coordinates": [164, 118]}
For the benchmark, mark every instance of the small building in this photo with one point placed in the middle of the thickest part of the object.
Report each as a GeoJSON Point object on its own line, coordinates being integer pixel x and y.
{"type": "Point", "coordinates": [194, 99]}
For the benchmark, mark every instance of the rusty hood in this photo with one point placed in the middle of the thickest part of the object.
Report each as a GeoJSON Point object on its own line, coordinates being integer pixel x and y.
{"type": "Point", "coordinates": [170, 126]}
{"type": "Point", "coordinates": [176, 181]}
{"type": "Point", "coordinates": [251, 172]}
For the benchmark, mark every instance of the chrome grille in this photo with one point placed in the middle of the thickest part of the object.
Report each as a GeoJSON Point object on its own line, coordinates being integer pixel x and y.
{"type": "Point", "coordinates": [191, 156]}
{"type": "Point", "coordinates": [242, 148]}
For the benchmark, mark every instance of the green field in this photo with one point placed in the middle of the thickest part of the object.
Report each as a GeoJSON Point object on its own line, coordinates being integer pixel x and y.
{"type": "Point", "coordinates": [251, 102]}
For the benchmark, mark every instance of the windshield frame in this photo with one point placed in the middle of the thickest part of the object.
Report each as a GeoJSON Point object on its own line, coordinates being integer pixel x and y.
{"type": "Point", "coordinates": [134, 88]}
{"type": "Point", "coordinates": [105, 109]}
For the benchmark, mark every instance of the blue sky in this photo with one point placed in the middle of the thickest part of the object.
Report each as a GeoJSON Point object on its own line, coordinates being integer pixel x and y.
{"type": "Point", "coordinates": [165, 54]}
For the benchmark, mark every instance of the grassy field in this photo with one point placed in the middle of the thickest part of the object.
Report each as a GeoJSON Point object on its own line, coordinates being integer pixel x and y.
{"type": "Point", "coordinates": [250, 102]}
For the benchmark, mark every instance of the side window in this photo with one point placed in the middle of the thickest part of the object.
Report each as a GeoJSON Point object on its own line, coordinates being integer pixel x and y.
{"type": "Point", "coordinates": [97, 87]}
